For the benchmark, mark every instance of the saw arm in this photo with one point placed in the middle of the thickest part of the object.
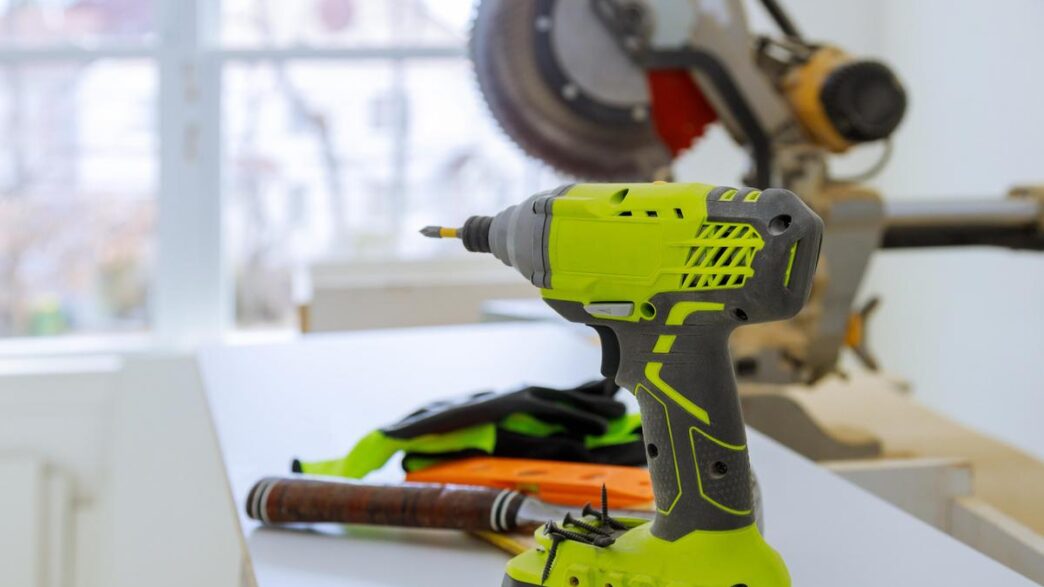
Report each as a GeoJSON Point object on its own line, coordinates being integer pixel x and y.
{"type": "Point", "coordinates": [712, 42]}
{"type": "Point", "coordinates": [614, 90]}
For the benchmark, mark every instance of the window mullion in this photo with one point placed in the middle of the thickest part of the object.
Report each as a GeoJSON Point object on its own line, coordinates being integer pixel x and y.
{"type": "Point", "coordinates": [190, 299]}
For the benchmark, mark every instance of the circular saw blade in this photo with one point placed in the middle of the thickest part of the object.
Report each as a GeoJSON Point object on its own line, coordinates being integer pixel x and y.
{"type": "Point", "coordinates": [564, 91]}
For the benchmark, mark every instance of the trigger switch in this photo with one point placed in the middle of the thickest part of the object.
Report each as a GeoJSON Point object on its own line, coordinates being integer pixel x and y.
{"type": "Point", "coordinates": [610, 351]}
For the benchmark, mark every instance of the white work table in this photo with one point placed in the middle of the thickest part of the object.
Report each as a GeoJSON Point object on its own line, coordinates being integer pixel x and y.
{"type": "Point", "coordinates": [314, 398]}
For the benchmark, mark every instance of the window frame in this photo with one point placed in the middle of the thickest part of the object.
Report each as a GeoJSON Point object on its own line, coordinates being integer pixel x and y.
{"type": "Point", "coordinates": [192, 298]}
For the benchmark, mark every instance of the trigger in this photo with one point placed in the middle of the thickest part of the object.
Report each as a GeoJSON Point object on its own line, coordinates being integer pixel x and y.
{"type": "Point", "coordinates": [610, 351]}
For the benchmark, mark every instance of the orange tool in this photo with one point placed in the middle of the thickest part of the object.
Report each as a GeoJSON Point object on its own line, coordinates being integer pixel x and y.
{"type": "Point", "coordinates": [551, 481]}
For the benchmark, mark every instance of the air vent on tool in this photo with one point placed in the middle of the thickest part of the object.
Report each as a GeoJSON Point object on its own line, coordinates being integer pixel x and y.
{"type": "Point", "coordinates": [745, 194]}
{"type": "Point", "coordinates": [721, 256]}
{"type": "Point", "coordinates": [647, 213]}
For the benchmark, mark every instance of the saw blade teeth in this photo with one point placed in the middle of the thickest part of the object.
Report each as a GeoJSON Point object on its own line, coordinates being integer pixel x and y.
{"type": "Point", "coordinates": [533, 115]}
{"type": "Point", "coordinates": [478, 86]}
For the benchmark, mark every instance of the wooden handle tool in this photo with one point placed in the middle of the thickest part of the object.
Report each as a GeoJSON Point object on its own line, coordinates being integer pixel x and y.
{"type": "Point", "coordinates": [285, 500]}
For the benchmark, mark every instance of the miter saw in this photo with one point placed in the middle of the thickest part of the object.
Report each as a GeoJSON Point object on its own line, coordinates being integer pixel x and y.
{"type": "Point", "coordinates": [615, 90]}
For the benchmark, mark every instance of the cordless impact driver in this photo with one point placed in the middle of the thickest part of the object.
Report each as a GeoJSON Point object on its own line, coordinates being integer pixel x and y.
{"type": "Point", "coordinates": [664, 273]}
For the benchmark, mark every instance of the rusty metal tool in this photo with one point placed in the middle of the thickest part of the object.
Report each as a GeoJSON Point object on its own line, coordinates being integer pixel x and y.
{"type": "Point", "coordinates": [311, 500]}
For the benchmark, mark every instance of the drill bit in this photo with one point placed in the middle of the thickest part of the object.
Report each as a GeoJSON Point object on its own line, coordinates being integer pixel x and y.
{"type": "Point", "coordinates": [440, 232]}
{"type": "Point", "coordinates": [474, 234]}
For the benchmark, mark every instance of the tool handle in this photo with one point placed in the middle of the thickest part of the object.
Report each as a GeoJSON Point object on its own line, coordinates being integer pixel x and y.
{"type": "Point", "coordinates": [555, 482]}
{"type": "Point", "coordinates": [281, 500]}
{"type": "Point", "coordinates": [683, 379]}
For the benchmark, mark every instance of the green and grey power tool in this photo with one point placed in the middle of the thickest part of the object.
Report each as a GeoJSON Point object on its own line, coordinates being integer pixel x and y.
{"type": "Point", "coordinates": [664, 273]}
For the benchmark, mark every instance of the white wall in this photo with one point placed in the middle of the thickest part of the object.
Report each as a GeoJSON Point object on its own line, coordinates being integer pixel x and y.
{"type": "Point", "coordinates": [973, 71]}
{"type": "Point", "coordinates": [966, 326]}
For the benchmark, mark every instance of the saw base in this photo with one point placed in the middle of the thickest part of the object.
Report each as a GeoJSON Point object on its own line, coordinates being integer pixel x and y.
{"type": "Point", "coordinates": [703, 559]}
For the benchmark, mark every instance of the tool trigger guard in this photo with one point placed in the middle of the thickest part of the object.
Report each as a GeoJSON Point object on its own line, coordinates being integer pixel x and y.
{"type": "Point", "coordinates": [610, 350]}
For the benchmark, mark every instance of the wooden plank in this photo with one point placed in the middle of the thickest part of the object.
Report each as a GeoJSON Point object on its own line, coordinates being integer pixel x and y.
{"type": "Point", "coordinates": [938, 491]}
{"type": "Point", "coordinates": [1005, 477]}
{"type": "Point", "coordinates": [983, 527]}
{"type": "Point", "coordinates": [781, 414]}
{"type": "Point", "coordinates": [923, 488]}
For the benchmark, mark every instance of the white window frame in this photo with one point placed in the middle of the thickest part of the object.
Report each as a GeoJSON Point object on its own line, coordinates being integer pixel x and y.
{"type": "Point", "coordinates": [192, 292]}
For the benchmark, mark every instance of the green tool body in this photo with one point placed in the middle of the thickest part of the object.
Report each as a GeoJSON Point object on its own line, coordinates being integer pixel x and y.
{"type": "Point", "coordinates": [664, 273]}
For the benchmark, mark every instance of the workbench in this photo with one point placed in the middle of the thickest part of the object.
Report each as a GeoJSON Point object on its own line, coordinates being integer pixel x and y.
{"type": "Point", "coordinates": [315, 397]}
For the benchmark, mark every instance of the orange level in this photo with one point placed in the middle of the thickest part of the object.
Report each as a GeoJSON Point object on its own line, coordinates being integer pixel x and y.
{"type": "Point", "coordinates": [552, 481]}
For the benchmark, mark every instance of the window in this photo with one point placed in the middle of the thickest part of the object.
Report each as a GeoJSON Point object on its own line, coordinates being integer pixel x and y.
{"type": "Point", "coordinates": [50, 23]}
{"type": "Point", "coordinates": [78, 167]}
{"type": "Point", "coordinates": [173, 166]}
{"type": "Point", "coordinates": [348, 125]}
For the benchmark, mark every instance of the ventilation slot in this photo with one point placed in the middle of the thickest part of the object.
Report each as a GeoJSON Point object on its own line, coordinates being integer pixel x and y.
{"type": "Point", "coordinates": [678, 212]}
{"type": "Point", "coordinates": [752, 196]}
{"type": "Point", "coordinates": [721, 256]}
{"type": "Point", "coordinates": [624, 213]}
{"type": "Point", "coordinates": [727, 196]}
{"type": "Point", "coordinates": [651, 213]}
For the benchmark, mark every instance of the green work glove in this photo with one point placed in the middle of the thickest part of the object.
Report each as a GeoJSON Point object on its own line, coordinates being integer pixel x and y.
{"type": "Point", "coordinates": [583, 424]}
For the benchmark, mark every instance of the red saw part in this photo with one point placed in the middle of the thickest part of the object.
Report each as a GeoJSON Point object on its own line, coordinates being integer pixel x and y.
{"type": "Point", "coordinates": [680, 111]}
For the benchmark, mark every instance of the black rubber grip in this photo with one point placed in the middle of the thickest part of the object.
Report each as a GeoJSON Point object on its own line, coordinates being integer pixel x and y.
{"type": "Point", "coordinates": [475, 234]}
